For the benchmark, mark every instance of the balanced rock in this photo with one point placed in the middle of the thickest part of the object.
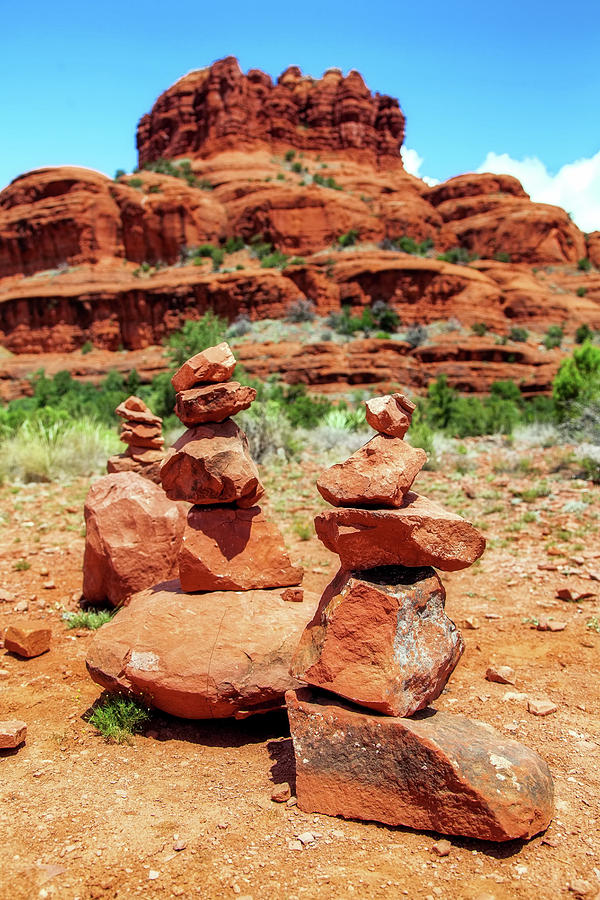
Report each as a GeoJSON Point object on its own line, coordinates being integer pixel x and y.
{"type": "Point", "coordinates": [133, 536]}
{"type": "Point", "coordinates": [436, 771]}
{"type": "Point", "coordinates": [202, 656]}
{"type": "Point", "coordinates": [228, 548]}
{"type": "Point", "coordinates": [379, 474]}
{"type": "Point", "coordinates": [211, 464]}
{"type": "Point", "coordinates": [12, 733]}
{"type": "Point", "coordinates": [391, 414]}
{"type": "Point", "coordinates": [135, 410]}
{"type": "Point", "coordinates": [213, 365]}
{"type": "Point", "coordinates": [144, 461]}
{"type": "Point", "coordinates": [212, 403]}
{"type": "Point", "coordinates": [142, 435]}
{"type": "Point", "coordinates": [420, 533]}
{"type": "Point", "coordinates": [28, 641]}
{"type": "Point", "coordinates": [381, 639]}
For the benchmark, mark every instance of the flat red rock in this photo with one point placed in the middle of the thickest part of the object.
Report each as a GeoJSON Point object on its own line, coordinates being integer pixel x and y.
{"type": "Point", "coordinates": [379, 474]}
{"type": "Point", "coordinates": [420, 533]}
{"type": "Point", "coordinates": [227, 548]}
{"type": "Point", "coordinates": [381, 639]}
{"type": "Point", "coordinates": [12, 733]}
{"type": "Point", "coordinates": [211, 464]}
{"type": "Point", "coordinates": [27, 641]}
{"type": "Point", "coordinates": [436, 771]}
{"type": "Point", "coordinates": [391, 414]}
{"type": "Point", "coordinates": [133, 536]}
{"type": "Point", "coordinates": [213, 364]}
{"type": "Point", "coordinates": [202, 656]}
{"type": "Point", "coordinates": [135, 410]}
{"type": "Point", "coordinates": [212, 403]}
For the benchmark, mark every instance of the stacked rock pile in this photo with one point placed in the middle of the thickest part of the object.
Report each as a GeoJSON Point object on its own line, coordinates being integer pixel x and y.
{"type": "Point", "coordinates": [380, 639]}
{"type": "Point", "coordinates": [228, 543]}
{"type": "Point", "coordinates": [141, 430]}
{"type": "Point", "coordinates": [219, 640]}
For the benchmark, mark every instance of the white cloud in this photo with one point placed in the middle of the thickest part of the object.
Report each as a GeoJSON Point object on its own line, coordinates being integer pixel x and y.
{"type": "Point", "coordinates": [413, 162]}
{"type": "Point", "coordinates": [575, 187]}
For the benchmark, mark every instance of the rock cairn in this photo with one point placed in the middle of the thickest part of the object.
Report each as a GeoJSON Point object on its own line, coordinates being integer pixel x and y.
{"type": "Point", "coordinates": [228, 543]}
{"type": "Point", "coordinates": [380, 640]}
{"type": "Point", "coordinates": [141, 430]}
{"type": "Point", "coordinates": [218, 641]}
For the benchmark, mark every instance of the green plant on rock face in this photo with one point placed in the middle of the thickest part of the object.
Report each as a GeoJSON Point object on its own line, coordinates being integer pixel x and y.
{"type": "Point", "coordinates": [289, 155]}
{"type": "Point", "coordinates": [459, 256]}
{"type": "Point", "coordinates": [274, 260]}
{"type": "Point", "coordinates": [584, 264]}
{"type": "Point", "coordinates": [407, 244]}
{"type": "Point", "coordinates": [581, 291]}
{"type": "Point", "coordinates": [119, 174]}
{"type": "Point", "coordinates": [233, 244]}
{"type": "Point", "coordinates": [87, 347]}
{"type": "Point", "coordinates": [208, 251]}
{"type": "Point", "coordinates": [136, 183]}
{"type": "Point", "coordinates": [479, 328]}
{"type": "Point", "coordinates": [89, 618]}
{"type": "Point", "coordinates": [301, 310]}
{"type": "Point", "coordinates": [348, 239]}
{"type": "Point", "coordinates": [502, 256]}
{"type": "Point", "coordinates": [178, 169]}
{"type": "Point", "coordinates": [583, 333]}
{"type": "Point", "coordinates": [518, 334]}
{"type": "Point", "coordinates": [118, 718]}
{"type": "Point", "coordinates": [553, 337]}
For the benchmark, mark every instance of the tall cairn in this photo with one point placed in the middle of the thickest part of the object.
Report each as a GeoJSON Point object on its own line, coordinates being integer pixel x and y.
{"type": "Point", "coordinates": [380, 649]}
{"type": "Point", "coordinates": [141, 430]}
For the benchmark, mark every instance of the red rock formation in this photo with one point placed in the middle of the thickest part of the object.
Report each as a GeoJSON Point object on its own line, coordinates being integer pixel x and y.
{"type": "Point", "coordinates": [593, 248]}
{"type": "Point", "coordinates": [219, 108]}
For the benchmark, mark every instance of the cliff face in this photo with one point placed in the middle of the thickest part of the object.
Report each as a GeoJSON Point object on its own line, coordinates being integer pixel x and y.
{"type": "Point", "coordinates": [219, 108]}
{"type": "Point", "coordinates": [303, 163]}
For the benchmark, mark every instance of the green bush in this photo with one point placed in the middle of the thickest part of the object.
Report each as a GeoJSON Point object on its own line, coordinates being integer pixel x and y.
{"type": "Point", "coordinates": [577, 381]}
{"type": "Point", "coordinates": [208, 251]}
{"type": "Point", "coordinates": [479, 328]}
{"type": "Point", "coordinates": [583, 333]}
{"type": "Point", "coordinates": [328, 182]}
{"type": "Point", "coordinates": [118, 718]}
{"type": "Point", "coordinates": [289, 155]}
{"type": "Point", "coordinates": [297, 167]}
{"type": "Point", "coordinates": [181, 169]}
{"type": "Point", "coordinates": [300, 310]}
{"type": "Point", "coordinates": [553, 337]}
{"type": "Point", "coordinates": [518, 335]}
{"type": "Point", "coordinates": [584, 264]}
{"type": "Point", "coordinates": [233, 244]}
{"type": "Point", "coordinates": [91, 619]}
{"type": "Point", "coordinates": [502, 256]}
{"type": "Point", "coordinates": [119, 174]}
{"type": "Point", "coordinates": [137, 183]}
{"type": "Point", "coordinates": [348, 239]}
{"type": "Point", "coordinates": [581, 291]}
{"type": "Point", "coordinates": [274, 260]}
{"type": "Point", "coordinates": [87, 347]}
{"type": "Point", "coordinates": [460, 256]}
{"type": "Point", "coordinates": [408, 245]}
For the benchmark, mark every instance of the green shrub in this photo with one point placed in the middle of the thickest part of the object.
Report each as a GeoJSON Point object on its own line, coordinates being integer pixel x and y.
{"type": "Point", "coordinates": [581, 291]}
{"type": "Point", "coordinates": [577, 381]}
{"type": "Point", "coordinates": [119, 174]}
{"type": "Point", "coordinates": [518, 335]}
{"type": "Point", "coordinates": [88, 618]}
{"type": "Point", "coordinates": [297, 167]}
{"type": "Point", "coordinates": [289, 155]}
{"type": "Point", "coordinates": [233, 244]}
{"type": "Point", "coordinates": [178, 169]}
{"type": "Point", "coordinates": [259, 247]}
{"type": "Point", "coordinates": [502, 256]}
{"type": "Point", "coordinates": [408, 245]}
{"type": "Point", "coordinates": [479, 328]}
{"type": "Point", "coordinates": [348, 239]}
{"type": "Point", "coordinates": [137, 183]}
{"type": "Point", "coordinates": [118, 718]}
{"type": "Point", "coordinates": [208, 251]}
{"type": "Point", "coordinates": [384, 316]}
{"type": "Point", "coordinates": [584, 264]}
{"type": "Point", "coordinates": [583, 333]}
{"type": "Point", "coordinates": [300, 310]}
{"type": "Point", "coordinates": [460, 256]}
{"type": "Point", "coordinates": [87, 347]}
{"type": "Point", "coordinates": [416, 335]}
{"type": "Point", "coordinates": [328, 182]}
{"type": "Point", "coordinates": [553, 337]}
{"type": "Point", "coordinates": [274, 260]}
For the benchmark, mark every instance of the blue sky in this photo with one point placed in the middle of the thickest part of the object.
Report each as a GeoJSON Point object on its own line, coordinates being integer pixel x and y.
{"type": "Point", "coordinates": [517, 80]}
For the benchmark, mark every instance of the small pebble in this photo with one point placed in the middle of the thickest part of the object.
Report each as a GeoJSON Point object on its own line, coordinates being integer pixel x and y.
{"type": "Point", "coordinates": [500, 674]}
{"type": "Point", "coordinates": [281, 793]}
{"type": "Point", "coordinates": [441, 848]}
{"type": "Point", "coordinates": [541, 707]}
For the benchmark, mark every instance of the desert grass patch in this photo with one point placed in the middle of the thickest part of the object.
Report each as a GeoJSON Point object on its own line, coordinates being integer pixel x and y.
{"type": "Point", "coordinates": [91, 619]}
{"type": "Point", "coordinates": [118, 718]}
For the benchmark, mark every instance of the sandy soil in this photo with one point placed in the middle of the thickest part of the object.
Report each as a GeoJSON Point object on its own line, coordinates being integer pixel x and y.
{"type": "Point", "coordinates": [83, 818]}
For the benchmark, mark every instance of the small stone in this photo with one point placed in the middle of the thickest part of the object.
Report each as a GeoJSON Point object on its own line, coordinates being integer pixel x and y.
{"type": "Point", "coordinates": [550, 625]}
{"type": "Point", "coordinates": [153, 874]}
{"type": "Point", "coordinates": [582, 888]}
{"type": "Point", "coordinates": [49, 585]}
{"type": "Point", "coordinates": [293, 801]}
{"type": "Point", "coordinates": [307, 837]}
{"type": "Point", "coordinates": [471, 622]}
{"type": "Point", "coordinates": [22, 606]}
{"type": "Point", "coordinates": [541, 707]}
{"type": "Point", "coordinates": [4, 673]}
{"type": "Point", "coordinates": [44, 571]}
{"type": "Point", "coordinates": [295, 845]}
{"type": "Point", "coordinates": [281, 793]}
{"type": "Point", "coordinates": [390, 414]}
{"type": "Point", "coordinates": [212, 365]}
{"type": "Point", "coordinates": [27, 642]}
{"type": "Point", "coordinates": [568, 595]}
{"type": "Point", "coordinates": [6, 597]}
{"type": "Point", "coordinates": [500, 674]}
{"type": "Point", "coordinates": [441, 848]}
{"type": "Point", "coordinates": [12, 733]}
{"type": "Point", "coordinates": [179, 845]}
{"type": "Point", "coordinates": [293, 595]}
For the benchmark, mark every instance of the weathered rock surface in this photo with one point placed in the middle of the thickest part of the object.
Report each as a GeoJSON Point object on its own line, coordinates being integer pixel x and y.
{"type": "Point", "coordinates": [213, 403]}
{"type": "Point", "coordinates": [12, 733]}
{"type": "Point", "coordinates": [420, 533]}
{"type": "Point", "coordinates": [135, 410]}
{"type": "Point", "coordinates": [227, 548]}
{"type": "Point", "coordinates": [390, 414]}
{"type": "Point", "coordinates": [379, 474]}
{"type": "Point", "coordinates": [141, 435]}
{"type": "Point", "coordinates": [27, 641]}
{"type": "Point", "coordinates": [436, 771]}
{"type": "Point", "coordinates": [211, 464]}
{"type": "Point", "coordinates": [133, 536]}
{"type": "Point", "coordinates": [145, 462]}
{"type": "Point", "coordinates": [219, 108]}
{"type": "Point", "coordinates": [381, 639]}
{"type": "Point", "coordinates": [202, 656]}
{"type": "Point", "coordinates": [214, 364]}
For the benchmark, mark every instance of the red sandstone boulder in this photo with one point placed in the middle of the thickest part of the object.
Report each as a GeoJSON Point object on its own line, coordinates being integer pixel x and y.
{"type": "Point", "coordinates": [420, 533]}
{"type": "Point", "coordinates": [211, 464]}
{"type": "Point", "coordinates": [135, 410]}
{"type": "Point", "coordinates": [202, 656]}
{"type": "Point", "coordinates": [381, 639]}
{"type": "Point", "coordinates": [227, 548]}
{"type": "Point", "coordinates": [379, 474]}
{"type": "Point", "coordinates": [12, 733]}
{"type": "Point", "coordinates": [133, 535]}
{"type": "Point", "coordinates": [391, 414]}
{"type": "Point", "coordinates": [213, 364]}
{"type": "Point", "coordinates": [213, 403]}
{"type": "Point", "coordinates": [437, 771]}
{"type": "Point", "coordinates": [27, 642]}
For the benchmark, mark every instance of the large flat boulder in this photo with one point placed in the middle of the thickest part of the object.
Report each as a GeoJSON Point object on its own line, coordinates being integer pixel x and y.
{"type": "Point", "coordinates": [202, 656]}
{"type": "Point", "coordinates": [420, 533]}
{"type": "Point", "coordinates": [133, 536]}
{"type": "Point", "coordinates": [436, 771]}
{"type": "Point", "coordinates": [381, 639]}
